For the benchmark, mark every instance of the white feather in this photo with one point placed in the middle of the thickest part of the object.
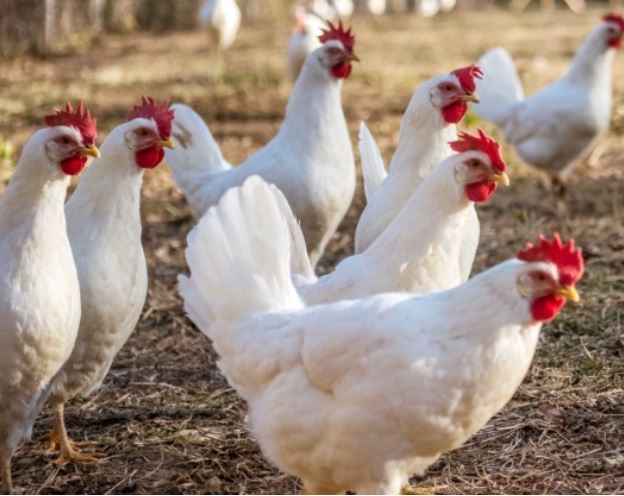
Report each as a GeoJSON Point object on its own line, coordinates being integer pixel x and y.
{"type": "Point", "coordinates": [373, 168]}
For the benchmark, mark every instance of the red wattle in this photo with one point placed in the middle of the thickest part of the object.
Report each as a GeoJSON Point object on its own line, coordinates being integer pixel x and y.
{"type": "Point", "coordinates": [149, 157]}
{"type": "Point", "coordinates": [546, 308]}
{"type": "Point", "coordinates": [615, 42]}
{"type": "Point", "coordinates": [342, 70]}
{"type": "Point", "coordinates": [454, 112]}
{"type": "Point", "coordinates": [480, 192]}
{"type": "Point", "coordinates": [73, 165]}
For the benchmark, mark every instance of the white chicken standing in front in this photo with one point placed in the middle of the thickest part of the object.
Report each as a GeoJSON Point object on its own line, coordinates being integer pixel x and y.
{"type": "Point", "coordinates": [222, 19]}
{"type": "Point", "coordinates": [39, 293]}
{"type": "Point", "coordinates": [307, 29]}
{"type": "Point", "coordinates": [427, 127]}
{"type": "Point", "coordinates": [310, 159]}
{"type": "Point", "coordinates": [359, 395]}
{"type": "Point", "coordinates": [104, 226]}
{"type": "Point", "coordinates": [554, 128]}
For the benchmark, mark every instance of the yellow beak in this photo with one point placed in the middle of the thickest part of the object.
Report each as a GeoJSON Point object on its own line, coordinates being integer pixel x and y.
{"type": "Point", "coordinates": [166, 143]}
{"type": "Point", "coordinates": [569, 293]}
{"type": "Point", "coordinates": [353, 58]}
{"type": "Point", "coordinates": [501, 178]}
{"type": "Point", "coordinates": [90, 151]}
{"type": "Point", "coordinates": [469, 97]}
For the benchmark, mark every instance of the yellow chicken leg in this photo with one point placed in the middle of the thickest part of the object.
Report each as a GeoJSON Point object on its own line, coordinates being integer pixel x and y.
{"type": "Point", "coordinates": [69, 450]}
{"type": "Point", "coordinates": [7, 483]}
{"type": "Point", "coordinates": [414, 490]}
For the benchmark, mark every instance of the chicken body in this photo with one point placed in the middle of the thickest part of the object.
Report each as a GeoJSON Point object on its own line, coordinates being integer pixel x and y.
{"type": "Point", "coordinates": [355, 395]}
{"type": "Point", "coordinates": [222, 19]}
{"type": "Point", "coordinates": [555, 127]}
{"type": "Point", "coordinates": [39, 293]}
{"type": "Point", "coordinates": [429, 246]}
{"type": "Point", "coordinates": [310, 159]}
{"type": "Point", "coordinates": [423, 144]}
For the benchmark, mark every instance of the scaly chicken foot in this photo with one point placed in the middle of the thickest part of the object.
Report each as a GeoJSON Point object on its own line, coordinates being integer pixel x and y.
{"type": "Point", "coordinates": [69, 450]}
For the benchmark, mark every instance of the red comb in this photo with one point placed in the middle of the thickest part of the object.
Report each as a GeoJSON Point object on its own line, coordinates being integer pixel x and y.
{"type": "Point", "coordinates": [467, 75]}
{"type": "Point", "coordinates": [161, 114]}
{"type": "Point", "coordinates": [616, 18]}
{"type": "Point", "coordinates": [338, 33]}
{"type": "Point", "coordinates": [483, 143]}
{"type": "Point", "coordinates": [568, 260]}
{"type": "Point", "coordinates": [81, 120]}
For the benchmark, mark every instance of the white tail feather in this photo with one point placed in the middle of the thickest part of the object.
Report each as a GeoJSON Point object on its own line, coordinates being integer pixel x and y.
{"type": "Point", "coordinates": [500, 86]}
{"type": "Point", "coordinates": [196, 150]}
{"type": "Point", "coordinates": [239, 256]}
{"type": "Point", "coordinates": [373, 169]}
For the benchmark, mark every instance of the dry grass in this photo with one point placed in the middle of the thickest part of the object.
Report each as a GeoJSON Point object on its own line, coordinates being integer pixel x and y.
{"type": "Point", "coordinates": [166, 418]}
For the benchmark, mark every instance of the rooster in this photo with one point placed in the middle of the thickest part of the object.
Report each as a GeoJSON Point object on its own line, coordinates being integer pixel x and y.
{"type": "Point", "coordinates": [308, 27]}
{"type": "Point", "coordinates": [360, 394]}
{"type": "Point", "coordinates": [39, 292]}
{"type": "Point", "coordinates": [310, 159]}
{"type": "Point", "coordinates": [427, 127]}
{"type": "Point", "coordinates": [104, 226]}
{"type": "Point", "coordinates": [555, 127]}
{"type": "Point", "coordinates": [222, 19]}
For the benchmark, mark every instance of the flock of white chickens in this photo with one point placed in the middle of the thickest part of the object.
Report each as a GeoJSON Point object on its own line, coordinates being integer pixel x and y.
{"type": "Point", "coordinates": [341, 373]}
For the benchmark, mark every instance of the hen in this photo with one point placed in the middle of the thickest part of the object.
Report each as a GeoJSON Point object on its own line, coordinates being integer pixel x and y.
{"type": "Point", "coordinates": [104, 226]}
{"type": "Point", "coordinates": [310, 159]}
{"type": "Point", "coordinates": [221, 18]}
{"type": "Point", "coordinates": [39, 293]}
{"type": "Point", "coordinates": [553, 128]}
{"type": "Point", "coordinates": [308, 27]}
{"type": "Point", "coordinates": [360, 394]}
{"type": "Point", "coordinates": [427, 127]}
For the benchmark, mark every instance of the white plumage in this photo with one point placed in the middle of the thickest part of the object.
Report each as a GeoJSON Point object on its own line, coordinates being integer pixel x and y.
{"type": "Point", "coordinates": [423, 143]}
{"type": "Point", "coordinates": [39, 293]}
{"type": "Point", "coordinates": [356, 395]}
{"type": "Point", "coordinates": [104, 226]}
{"type": "Point", "coordinates": [310, 159]}
{"type": "Point", "coordinates": [222, 19]}
{"type": "Point", "coordinates": [553, 128]}
{"type": "Point", "coordinates": [304, 40]}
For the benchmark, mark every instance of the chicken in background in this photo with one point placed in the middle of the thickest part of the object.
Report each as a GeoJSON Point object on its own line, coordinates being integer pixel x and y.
{"type": "Point", "coordinates": [39, 292]}
{"type": "Point", "coordinates": [310, 159]}
{"type": "Point", "coordinates": [221, 18]}
{"type": "Point", "coordinates": [307, 28]}
{"type": "Point", "coordinates": [557, 126]}
{"type": "Point", "coordinates": [104, 226]}
{"type": "Point", "coordinates": [359, 395]}
{"type": "Point", "coordinates": [427, 127]}
{"type": "Point", "coordinates": [332, 10]}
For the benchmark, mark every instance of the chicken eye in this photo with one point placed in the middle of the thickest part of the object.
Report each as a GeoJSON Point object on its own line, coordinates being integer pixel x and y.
{"type": "Point", "coordinates": [448, 87]}
{"type": "Point", "coordinates": [475, 163]}
{"type": "Point", "coordinates": [65, 140]}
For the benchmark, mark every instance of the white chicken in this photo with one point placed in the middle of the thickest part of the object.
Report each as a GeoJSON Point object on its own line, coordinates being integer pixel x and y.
{"type": "Point", "coordinates": [222, 19]}
{"type": "Point", "coordinates": [39, 293]}
{"type": "Point", "coordinates": [359, 395]}
{"type": "Point", "coordinates": [310, 159]}
{"type": "Point", "coordinates": [104, 226]}
{"type": "Point", "coordinates": [307, 29]}
{"type": "Point", "coordinates": [555, 127]}
{"type": "Point", "coordinates": [427, 127]}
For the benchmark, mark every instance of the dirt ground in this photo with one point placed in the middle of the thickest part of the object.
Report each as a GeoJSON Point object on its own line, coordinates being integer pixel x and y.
{"type": "Point", "coordinates": [167, 420]}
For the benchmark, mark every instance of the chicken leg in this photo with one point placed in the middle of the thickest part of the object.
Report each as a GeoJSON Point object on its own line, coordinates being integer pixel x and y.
{"type": "Point", "coordinates": [7, 483]}
{"type": "Point", "coordinates": [69, 450]}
